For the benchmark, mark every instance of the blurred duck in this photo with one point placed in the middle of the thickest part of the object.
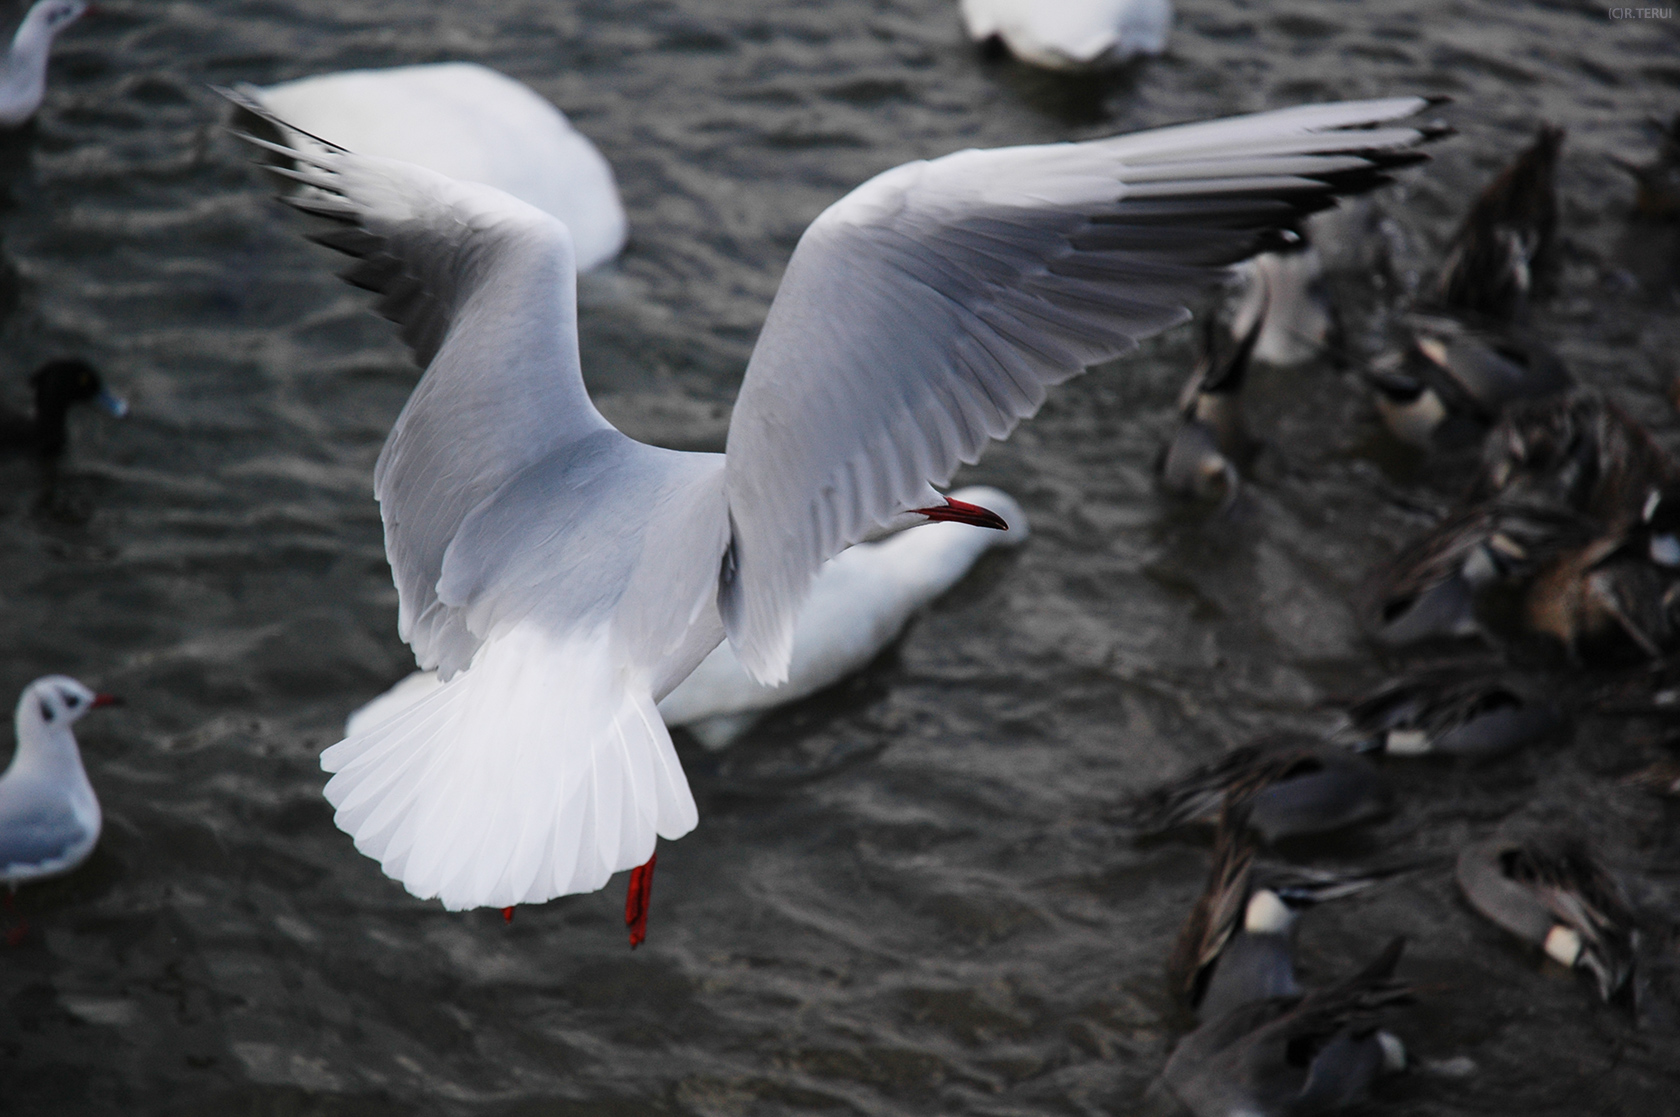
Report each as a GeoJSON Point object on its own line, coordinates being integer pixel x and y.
{"type": "Point", "coordinates": [1290, 1056]}
{"type": "Point", "coordinates": [1503, 253]}
{"type": "Point", "coordinates": [1613, 595]}
{"type": "Point", "coordinates": [1578, 452]}
{"type": "Point", "coordinates": [1452, 380]}
{"type": "Point", "coordinates": [1432, 588]}
{"type": "Point", "coordinates": [468, 122]}
{"type": "Point", "coordinates": [1071, 34]}
{"type": "Point", "coordinates": [858, 605]}
{"type": "Point", "coordinates": [1570, 517]}
{"type": "Point", "coordinates": [1211, 445]}
{"type": "Point", "coordinates": [1238, 943]}
{"type": "Point", "coordinates": [49, 815]}
{"type": "Point", "coordinates": [1616, 598]}
{"type": "Point", "coordinates": [1290, 788]}
{"type": "Point", "coordinates": [1452, 711]}
{"type": "Point", "coordinates": [58, 386]}
{"type": "Point", "coordinates": [1604, 597]}
{"type": "Point", "coordinates": [23, 69]}
{"type": "Point", "coordinates": [1552, 892]}
{"type": "Point", "coordinates": [1285, 293]}
{"type": "Point", "coordinates": [1658, 196]}
{"type": "Point", "coordinates": [1465, 358]}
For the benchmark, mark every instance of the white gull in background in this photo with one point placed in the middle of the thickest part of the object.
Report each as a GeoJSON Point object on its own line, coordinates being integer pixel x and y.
{"type": "Point", "coordinates": [1071, 34]}
{"type": "Point", "coordinates": [49, 816]}
{"type": "Point", "coordinates": [468, 122]}
{"type": "Point", "coordinates": [23, 68]}
{"type": "Point", "coordinates": [562, 577]}
{"type": "Point", "coordinates": [859, 603]}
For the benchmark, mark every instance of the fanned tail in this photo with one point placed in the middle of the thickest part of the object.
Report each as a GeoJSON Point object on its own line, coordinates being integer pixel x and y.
{"type": "Point", "coordinates": [540, 771]}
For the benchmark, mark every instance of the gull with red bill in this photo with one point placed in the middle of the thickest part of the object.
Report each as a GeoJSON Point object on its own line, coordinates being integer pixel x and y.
{"type": "Point", "coordinates": [23, 66]}
{"type": "Point", "coordinates": [49, 815]}
{"type": "Point", "coordinates": [561, 577]}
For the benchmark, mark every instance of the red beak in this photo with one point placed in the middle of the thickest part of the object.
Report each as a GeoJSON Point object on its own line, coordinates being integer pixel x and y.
{"type": "Point", "coordinates": [959, 511]}
{"type": "Point", "coordinates": [104, 700]}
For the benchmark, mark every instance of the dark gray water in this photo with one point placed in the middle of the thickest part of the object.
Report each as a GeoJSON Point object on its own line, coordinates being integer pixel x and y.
{"type": "Point", "coordinates": [904, 896]}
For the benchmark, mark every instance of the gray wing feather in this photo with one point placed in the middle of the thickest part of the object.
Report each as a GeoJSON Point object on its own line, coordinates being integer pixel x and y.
{"type": "Point", "coordinates": [929, 310]}
{"type": "Point", "coordinates": [483, 287]}
{"type": "Point", "coordinates": [37, 833]}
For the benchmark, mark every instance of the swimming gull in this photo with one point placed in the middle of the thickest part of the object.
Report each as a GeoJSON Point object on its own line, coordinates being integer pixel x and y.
{"type": "Point", "coordinates": [1071, 34]}
{"type": "Point", "coordinates": [23, 68]}
{"type": "Point", "coordinates": [49, 816]}
{"type": "Point", "coordinates": [471, 123]}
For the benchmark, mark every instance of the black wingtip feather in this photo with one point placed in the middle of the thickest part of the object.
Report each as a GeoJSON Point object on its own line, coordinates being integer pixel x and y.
{"type": "Point", "coordinates": [352, 241]}
{"type": "Point", "coordinates": [314, 208]}
{"type": "Point", "coordinates": [242, 96]}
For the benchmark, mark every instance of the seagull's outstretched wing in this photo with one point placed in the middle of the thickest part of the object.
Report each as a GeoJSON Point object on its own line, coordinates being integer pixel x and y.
{"type": "Point", "coordinates": [573, 568]}
{"type": "Point", "coordinates": [483, 288]}
{"type": "Point", "coordinates": [928, 310]}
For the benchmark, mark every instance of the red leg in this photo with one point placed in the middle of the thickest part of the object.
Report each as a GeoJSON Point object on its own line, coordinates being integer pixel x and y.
{"type": "Point", "coordinates": [637, 901]}
{"type": "Point", "coordinates": [507, 915]}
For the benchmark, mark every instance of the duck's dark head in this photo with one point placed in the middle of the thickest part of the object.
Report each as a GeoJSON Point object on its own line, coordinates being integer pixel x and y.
{"type": "Point", "coordinates": [60, 385]}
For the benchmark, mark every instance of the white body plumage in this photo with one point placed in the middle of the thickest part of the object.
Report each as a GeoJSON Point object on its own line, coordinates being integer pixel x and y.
{"type": "Point", "coordinates": [1072, 34]}
{"type": "Point", "coordinates": [473, 124]}
{"type": "Point", "coordinates": [858, 605]}
{"type": "Point", "coordinates": [49, 815]}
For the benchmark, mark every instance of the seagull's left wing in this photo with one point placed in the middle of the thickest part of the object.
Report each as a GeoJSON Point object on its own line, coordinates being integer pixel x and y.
{"type": "Point", "coordinates": [482, 287]}
{"type": "Point", "coordinates": [928, 310]}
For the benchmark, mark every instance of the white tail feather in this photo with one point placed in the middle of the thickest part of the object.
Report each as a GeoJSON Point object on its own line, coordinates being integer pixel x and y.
{"type": "Point", "coordinates": [540, 771]}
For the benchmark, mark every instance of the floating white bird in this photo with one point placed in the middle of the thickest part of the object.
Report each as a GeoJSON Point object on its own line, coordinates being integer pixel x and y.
{"type": "Point", "coordinates": [49, 816]}
{"type": "Point", "coordinates": [468, 122]}
{"type": "Point", "coordinates": [23, 70]}
{"type": "Point", "coordinates": [562, 577]}
{"type": "Point", "coordinates": [1071, 34]}
{"type": "Point", "coordinates": [859, 603]}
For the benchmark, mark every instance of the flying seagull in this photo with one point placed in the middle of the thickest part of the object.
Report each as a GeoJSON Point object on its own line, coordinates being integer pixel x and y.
{"type": "Point", "coordinates": [562, 577]}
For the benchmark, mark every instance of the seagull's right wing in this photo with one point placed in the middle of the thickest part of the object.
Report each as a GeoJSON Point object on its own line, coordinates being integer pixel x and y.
{"type": "Point", "coordinates": [928, 310]}
{"type": "Point", "coordinates": [483, 288]}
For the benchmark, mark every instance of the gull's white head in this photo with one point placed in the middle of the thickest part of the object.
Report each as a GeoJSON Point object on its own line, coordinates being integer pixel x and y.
{"type": "Point", "coordinates": [57, 701]}
{"type": "Point", "coordinates": [49, 17]}
{"type": "Point", "coordinates": [23, 69]}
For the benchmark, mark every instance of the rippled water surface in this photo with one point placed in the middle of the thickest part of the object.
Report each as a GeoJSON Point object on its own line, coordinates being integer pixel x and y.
{"type": "Point", "coordinates": [905, 896]}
